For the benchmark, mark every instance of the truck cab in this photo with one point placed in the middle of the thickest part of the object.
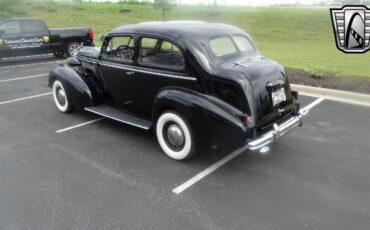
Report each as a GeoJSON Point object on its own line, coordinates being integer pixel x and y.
{"type": "Point", "coordinates": [31, 37]}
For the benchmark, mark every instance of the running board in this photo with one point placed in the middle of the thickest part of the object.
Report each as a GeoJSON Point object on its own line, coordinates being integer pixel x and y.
{"type": "Point", "coordinates": [118, 115]}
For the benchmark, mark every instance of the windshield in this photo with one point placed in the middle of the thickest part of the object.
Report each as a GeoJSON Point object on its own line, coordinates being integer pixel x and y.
{"type": "Point", "coordinates": [225, 45]}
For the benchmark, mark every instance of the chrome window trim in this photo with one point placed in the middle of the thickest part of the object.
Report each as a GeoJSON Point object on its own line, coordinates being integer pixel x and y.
{"type": "Point", "coordinates": [149, 72]}
{"type": "Point", "coordinates": [119, 66]}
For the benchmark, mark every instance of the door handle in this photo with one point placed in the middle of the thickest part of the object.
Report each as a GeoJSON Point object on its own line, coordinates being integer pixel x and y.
{"type": "Point", "coordinates": [130, 73]}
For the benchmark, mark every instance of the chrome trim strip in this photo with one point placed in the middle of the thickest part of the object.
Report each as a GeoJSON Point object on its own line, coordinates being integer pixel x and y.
{"type": "Point", "coordinates": [150, 72]}
{"type": "Point", "coordinates": [138, 70]}
{"type": "Point", "coordinates": [113, 118]}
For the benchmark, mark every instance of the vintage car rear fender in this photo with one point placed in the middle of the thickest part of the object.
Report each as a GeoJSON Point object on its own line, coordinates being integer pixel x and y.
{"type": "Point", "coordinates": [79, 93]}
{"type": "Point", "coordinates": [212, 121]}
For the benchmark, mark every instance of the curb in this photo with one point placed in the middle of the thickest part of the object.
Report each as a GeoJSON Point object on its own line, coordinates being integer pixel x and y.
{"type": "Point", "coordinates": [334, 95]}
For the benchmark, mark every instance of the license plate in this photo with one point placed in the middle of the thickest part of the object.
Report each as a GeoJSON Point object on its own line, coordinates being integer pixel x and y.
{"type": "Point", "coordinates": [278, 96]}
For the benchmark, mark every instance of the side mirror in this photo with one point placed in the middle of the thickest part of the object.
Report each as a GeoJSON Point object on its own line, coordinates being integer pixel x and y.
{"type": "Point", "coordinates": [73, 62]}
{"type": "Point", "coordinates": [102, 37]}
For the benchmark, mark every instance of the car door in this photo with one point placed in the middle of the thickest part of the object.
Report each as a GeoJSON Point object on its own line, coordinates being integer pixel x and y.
{"type": "Point", "coordinates": [10, 40]}
{"type": "Point", "coordinates": [116, 69]}
{"type": "Point", "coordinates": [35, 37]}
{"type": "Point", "coordinates": [160, 64]}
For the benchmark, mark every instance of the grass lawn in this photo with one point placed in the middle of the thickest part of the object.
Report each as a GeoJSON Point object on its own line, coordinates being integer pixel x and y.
{"type": "Point", "coordinates": [296, 37]}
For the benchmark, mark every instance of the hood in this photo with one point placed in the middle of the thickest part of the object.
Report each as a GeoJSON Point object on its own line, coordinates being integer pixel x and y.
{"type": "Point", "coordinates": [89, 52]}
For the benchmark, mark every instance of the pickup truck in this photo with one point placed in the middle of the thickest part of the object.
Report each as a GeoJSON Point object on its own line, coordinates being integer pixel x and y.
{"type": "Point", "coordinates": [28, 37]}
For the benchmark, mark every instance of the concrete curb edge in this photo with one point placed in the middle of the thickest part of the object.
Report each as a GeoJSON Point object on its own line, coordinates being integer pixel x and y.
{"type": "Point", "coordinates": [334, 95]}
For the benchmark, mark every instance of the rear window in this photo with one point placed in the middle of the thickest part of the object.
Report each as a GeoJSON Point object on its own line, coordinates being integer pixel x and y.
{"type": "Point", "coordinates": [33, 26]}
{"type": "Point", "coordinates": [243, 43]}
{"type": "Point", "coordinates": [222, 46]}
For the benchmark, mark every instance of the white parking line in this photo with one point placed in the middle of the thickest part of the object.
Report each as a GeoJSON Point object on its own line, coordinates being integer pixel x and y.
{"type": "Point", "coordinates": [79, 125]}
{"type": "Point", "coordinates": [209, 170]}
{"type": "Point", "coordinates": [224, 160]}
{"type": "Point", "coordinates": [314, 103]}
{"type": "Point", "coordinates": [21, 78]}
{"type": "Point", "coordinates": [24, 98]}
{"type": "Point", "coordinates": [25, 65]}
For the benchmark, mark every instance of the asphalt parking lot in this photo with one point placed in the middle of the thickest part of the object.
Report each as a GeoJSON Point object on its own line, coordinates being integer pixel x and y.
{"type": "Point", "coordinates": [59, 172]}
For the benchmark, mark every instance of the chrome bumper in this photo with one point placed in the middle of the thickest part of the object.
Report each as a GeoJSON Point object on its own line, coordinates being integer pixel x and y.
{"type": "Point", "coordinates": [278, 131]}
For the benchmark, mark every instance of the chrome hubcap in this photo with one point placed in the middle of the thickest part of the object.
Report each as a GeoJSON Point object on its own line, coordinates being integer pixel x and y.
{"type": "Point", "coordinates": [61, 96]}
{"type": "Point", "coordinates": [175, 135]}
{"type": "Point", "coordinates": [74, 50]}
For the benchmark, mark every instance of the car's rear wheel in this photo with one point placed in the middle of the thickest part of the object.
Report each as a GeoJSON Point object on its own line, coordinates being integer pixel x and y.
{"type": "Point", "coordinates": [61, 98]}
{"type": "Point", "coordinates": [73, 48]}
{"type": "Point", "coordinates": [175, 136]}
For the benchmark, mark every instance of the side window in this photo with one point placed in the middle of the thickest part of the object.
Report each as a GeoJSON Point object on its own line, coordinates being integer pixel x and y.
{"type": "Point", "coordinates": [120, 49]}
{"type": "Point", "coordinates": [33, 26]}
{"type": "Point", "coordinates": [10, 27]}
{"type": "Point", "coordinates": [229, 93]}
{"type": "Point", "coordinates": [160, 53]}
{"type": "Point", "coordinates": [166, 46]}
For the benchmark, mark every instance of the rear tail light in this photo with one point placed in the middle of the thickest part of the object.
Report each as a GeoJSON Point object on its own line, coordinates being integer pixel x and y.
{"type": "Point", "coordinates": [295, 94]}
{"type": "Point", "coordinates": [91, 36]}
{"type": "Point", "coordinates": [245, 119]}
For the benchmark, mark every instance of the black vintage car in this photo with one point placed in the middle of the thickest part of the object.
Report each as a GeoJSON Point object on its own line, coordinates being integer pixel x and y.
{"type": "Point", "coordinates": [192, 82]}
{"type": "Point", "coordinates": [21, 37]}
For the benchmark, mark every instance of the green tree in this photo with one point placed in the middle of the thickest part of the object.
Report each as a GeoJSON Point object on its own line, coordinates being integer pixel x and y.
{"type": "Point", "coordinates": [164, 6]}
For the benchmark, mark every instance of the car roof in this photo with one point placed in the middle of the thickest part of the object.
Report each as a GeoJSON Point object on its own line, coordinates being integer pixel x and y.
{"type": "Point", "coordinates": [178, 29]}
{"type": "Point", "coordinates": [192, 36]}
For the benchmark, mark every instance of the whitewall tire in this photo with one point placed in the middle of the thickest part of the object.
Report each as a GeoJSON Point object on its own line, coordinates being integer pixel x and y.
{"type": "Point", "coordinates": [174, 136]}
{"type": "Point", "coordinates": [60, 97]}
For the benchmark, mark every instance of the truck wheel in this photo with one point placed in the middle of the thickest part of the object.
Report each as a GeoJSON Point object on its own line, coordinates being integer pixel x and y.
{"type": "Point", "coordinates": [61, 98]}
{"type": "Point", "coordinates": [73, 48]}
{"type": "Point", "coordinates": [175, 136]}
{"type": "Point", "coordinates": [59, 54]}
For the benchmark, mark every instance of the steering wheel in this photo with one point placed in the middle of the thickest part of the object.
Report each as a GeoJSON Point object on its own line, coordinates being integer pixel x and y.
{"type": "Point", "coordinates": [127, 51]}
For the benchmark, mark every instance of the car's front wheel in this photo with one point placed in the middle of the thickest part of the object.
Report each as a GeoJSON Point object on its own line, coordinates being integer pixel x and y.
{"type": "Point", "coordinates": [61, 98]}
{"type": "Point", "coordinates": [175, 136]}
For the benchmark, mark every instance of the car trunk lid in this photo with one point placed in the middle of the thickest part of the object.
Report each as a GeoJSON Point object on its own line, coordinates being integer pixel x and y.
{"type": "Point", "coordinates": [270, 87]}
